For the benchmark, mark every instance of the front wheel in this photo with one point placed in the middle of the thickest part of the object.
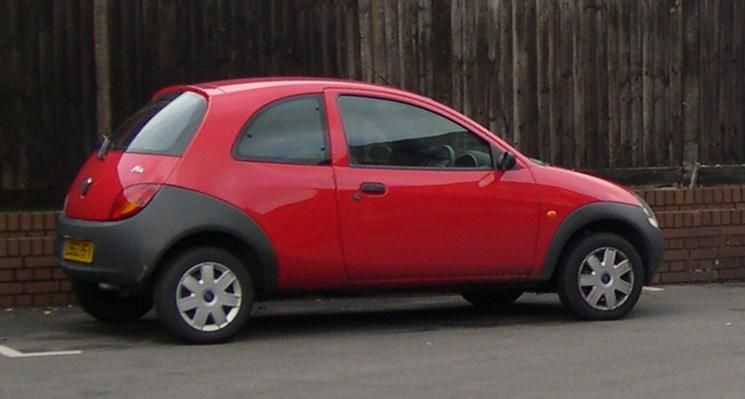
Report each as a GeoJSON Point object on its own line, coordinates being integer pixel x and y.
{"type": "Point", "coordinates": [204, 295]}
{"type": "Point", "coordinates": [601, 278]}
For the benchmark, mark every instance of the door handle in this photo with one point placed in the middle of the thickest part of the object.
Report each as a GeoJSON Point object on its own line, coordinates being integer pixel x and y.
{"type": "Point", "coordinates": [372, 188]}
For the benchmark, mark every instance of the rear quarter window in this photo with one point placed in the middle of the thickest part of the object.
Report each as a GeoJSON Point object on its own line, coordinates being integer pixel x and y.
{"type": "Point", "coordinates": [164, 126]}
{"type": "Point", "coordinates": [290, 130]}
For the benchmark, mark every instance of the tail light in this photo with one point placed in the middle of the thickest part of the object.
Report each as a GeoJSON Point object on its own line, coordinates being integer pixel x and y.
{"type": "Point", "coordinates": [132, 200]}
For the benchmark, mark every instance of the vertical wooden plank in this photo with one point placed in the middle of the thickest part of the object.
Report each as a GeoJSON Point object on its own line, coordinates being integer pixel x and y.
{"type": "Point", "coordinates": [525, 89]}
{"type": "Point", "coordinates": [505, 68]}
{"type": "Point", "coordinates": [544, 67]}
{"type": "Point", "coordinates": [379, 53]}
{"type": "Point", "coordinates": [425, 47]}
{"type": "Point", "coordinates": [691, 80]}
{"type": "Point", "coordinates": [739, 84]}
{"type": "Point", "coordinates": [614, 96]}
{"type": "Point", "coordinates": [648, 56]}
{"type": "Point", "coordinates": [555, 79]}
{"type": "Point", "coordinates": [674, 92]}
{"type": "Point", "coordinates": [441, 50]}
{"type": "Point", "coordinates": [710, 137]}
{"type": "Point", "coordinates": [567, 59]}
{"type": "Point", "coordinates": [660, 81]}
{"type": "Point", "coordinates": [624, 152]}
{"type": "Point", "coordinates": [727, 78]}
{"type": "Point", "coordinates": [366, 49]}
{"type": "Point", "coordinates": [598, 153]}
{"type": "Point", "coordinates": [583, 54]}
{"type": "Point", "coordinates": [456, 53]}
{"type": "Point", "coordinates": [393, 52]}
{"type": "Point", "coordinates": [636, 59]}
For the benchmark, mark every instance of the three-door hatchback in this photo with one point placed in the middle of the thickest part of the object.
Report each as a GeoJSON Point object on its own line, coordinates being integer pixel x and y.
{"type": "Point", "coordinates": [217, 195]}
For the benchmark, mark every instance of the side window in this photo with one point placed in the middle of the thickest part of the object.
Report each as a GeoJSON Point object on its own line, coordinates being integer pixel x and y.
{"type": "Point", "coordinates": [390, 133]}
{"type": "Point", "coordinates": [289, 130]}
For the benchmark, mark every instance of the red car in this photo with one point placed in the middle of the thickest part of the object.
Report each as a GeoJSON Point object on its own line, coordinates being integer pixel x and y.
{"type": "Point", "coordinates": [217, 195]}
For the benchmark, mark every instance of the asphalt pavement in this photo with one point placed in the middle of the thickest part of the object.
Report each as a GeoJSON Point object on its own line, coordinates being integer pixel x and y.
{"type": "Point", "coordinates": [682, 342]}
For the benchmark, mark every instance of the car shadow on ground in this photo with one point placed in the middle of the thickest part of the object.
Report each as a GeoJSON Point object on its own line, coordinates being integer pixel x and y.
{"type": "Point", "coordinates": [276, 320]}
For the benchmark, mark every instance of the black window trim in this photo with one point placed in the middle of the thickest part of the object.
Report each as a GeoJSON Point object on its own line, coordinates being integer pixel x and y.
{"type": "Point", "coordinates": [267, 107]}
{"type": "Point", "coordinates": [494, 150]}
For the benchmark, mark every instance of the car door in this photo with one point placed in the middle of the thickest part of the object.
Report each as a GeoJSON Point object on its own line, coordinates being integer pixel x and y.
{"type": "Point", "coordinates": [419, 198]}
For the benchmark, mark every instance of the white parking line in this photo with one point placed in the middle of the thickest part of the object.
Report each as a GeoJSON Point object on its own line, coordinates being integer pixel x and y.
{"type": "Point", "coordinates": [652, 289]}
{"type": "Point", "coordinates": [12, 353]}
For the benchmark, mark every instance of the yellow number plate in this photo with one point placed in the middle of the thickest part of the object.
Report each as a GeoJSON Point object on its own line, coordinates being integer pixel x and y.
{"type": "Point", "coordinates": [78, 251]}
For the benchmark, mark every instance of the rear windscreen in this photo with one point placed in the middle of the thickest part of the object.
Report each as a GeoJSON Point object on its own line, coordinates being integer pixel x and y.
{"type": "Point", "coordinates": [164, 126]}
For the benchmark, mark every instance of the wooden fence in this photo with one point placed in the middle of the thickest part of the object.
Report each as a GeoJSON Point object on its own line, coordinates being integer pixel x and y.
{"type": "Point", "coordinates": [591, 84]}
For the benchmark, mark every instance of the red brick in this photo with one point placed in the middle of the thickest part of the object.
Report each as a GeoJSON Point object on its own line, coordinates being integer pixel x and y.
{"type": "Point", "coordinates": [736, 195]}
{"type": "Point", "coordinates": [42, 299]}
{"type": "Point", "coordinates": [674, 277]}
{"type": "Point", "coordinates": [35, 287]}
{"type": "Point", "coordinates": [25, 221]}
{"type": "Point", "coordinates": [677, 266]}
{"type": "Point", "coordinates": [3, 224]}
{"type": "Point", "coordinates": [11, 220]}
{"type": "Point", "coordinates": [61, 299]}
{"type": "Point", "coordinates": [40, 261]}
{"type": "Point", "coordinates": [732, 252]}
{"type": "Point", "coordinates": [24, 247]}
{"type": "Point", "coordinates": [679, 197]}
{"type": "Point", "coordinates": [727, 195]}
{"type": "Point", "coordinates": [42, 274]}
{"type": "Point", "coordinates": [704, 253]}
{"type": "Point", "coordinates": [58, 274]}
{"type": "Point", "coordinates": [37, 221]}
{"type": "Point", "coordinates": [706, 217]}
{"type": "Point", "coordinates": [6, 275]}
{"type": "Point", "coordinates": [3, 247]}
{"type": "Point", "coordinates": [11, 263]}
{"type": "Point", "coordinates": [24, 300]}
{"type": "Point", "coordinates": [689, 196]}
{"type": "Point", "coordinates": [6, 301]}
{"type": "Point", "coordinates": [678, 219]}
{"type": "Point", "coordinates": [47, 246]}
{"type": "Point", "coordinates": [676, 254]}
{"type": "Point", "coordinates": [731, 274]}
{"type": "Point", "coordinates": [659, 197]}
{"type": "Point", "coordinates": [733, 230]}
{"type": "Point", "coordinates": [669, 197]}
{"type": "Point", "coordinates": [726, 217]}
{"type": "Point", "coordinates": [718, 197]}
{"type": "Point", "coordinates": [11, 288]}
{"type": "Point", "coordinates": [50, 221]}
{"type": "Point", "coordinates": [704, 231]}
{"type": "Point", "coordinates": [65, 286]}
{"type": "Point", "coordinates": [675, 233]}
{"type": "Point", "coordinates": [24, 275]}
{"type": "Point", "coordinates": [698, 194]}
{"type": "Point", "coordinates": [36, 246]}
{"type": "Point", "coordinates": [708, 196]}
{"type": "Point", "coordinates": [12, 247]}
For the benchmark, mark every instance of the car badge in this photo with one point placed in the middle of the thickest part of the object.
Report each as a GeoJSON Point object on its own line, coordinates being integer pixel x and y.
{"type": "Point", "coordinates": [85, 185]}
{"type": "Point", "coordinates": [138, 169]}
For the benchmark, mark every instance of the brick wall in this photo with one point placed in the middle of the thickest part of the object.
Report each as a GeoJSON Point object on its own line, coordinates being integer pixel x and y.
{"type": "Point", "coordinates": [704, 232]}
{"type": "Point", "coordinates": [28, 272]}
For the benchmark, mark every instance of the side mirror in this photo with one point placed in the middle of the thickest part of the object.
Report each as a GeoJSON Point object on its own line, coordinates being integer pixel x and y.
{"type": "Point", "coordinates": [506, 161]}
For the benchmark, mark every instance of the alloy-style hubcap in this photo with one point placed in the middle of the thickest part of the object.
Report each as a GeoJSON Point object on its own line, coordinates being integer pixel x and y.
{"type": "Point", "coordinates": [208, 296]}
{"type": "Point", "coordinates": [606, 278]}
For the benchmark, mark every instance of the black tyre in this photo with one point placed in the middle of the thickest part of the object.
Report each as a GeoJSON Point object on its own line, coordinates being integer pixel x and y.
{"type": "Point", "coordinates": [601, 277]}
{"type": "Point", "coordinates": [492, 298]}
{"type": "Point", "coordinates": [110, 306]}
{"type": "Point", "coordinates": [204, 295]}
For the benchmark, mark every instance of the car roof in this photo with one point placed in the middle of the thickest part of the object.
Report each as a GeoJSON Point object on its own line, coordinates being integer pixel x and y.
{"type": "Point", "coordinates": [238, 85]}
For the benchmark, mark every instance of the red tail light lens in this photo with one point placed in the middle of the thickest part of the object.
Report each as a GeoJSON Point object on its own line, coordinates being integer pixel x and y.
{"type": "Point", "coordinates": [132, 200]}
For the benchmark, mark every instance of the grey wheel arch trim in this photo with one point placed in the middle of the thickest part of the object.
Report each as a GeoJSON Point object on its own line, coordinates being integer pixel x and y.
{"type": "Point", "coordinates": [631, 216]}
{"type": "Point", "coordinates": [183, 213]}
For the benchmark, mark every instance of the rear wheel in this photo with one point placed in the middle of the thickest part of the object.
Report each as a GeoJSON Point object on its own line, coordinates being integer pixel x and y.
{"type": "Point", "coordinates": [601, 278]}
{"type": "Point", "coordinates": [110, 306]}
{"type": "Point", "coordinates": [204, 295]}
{"type": "Point", "coordinates": [492, 298]}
